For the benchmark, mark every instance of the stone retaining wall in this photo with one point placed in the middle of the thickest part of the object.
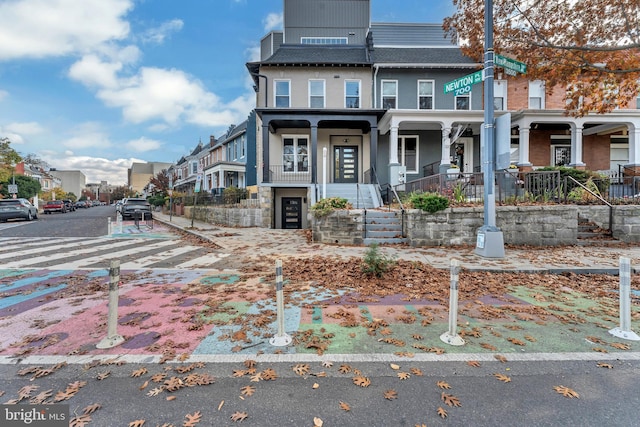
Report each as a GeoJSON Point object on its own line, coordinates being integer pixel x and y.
{"type": "Point", "coordinates": [230, 217]}
{"type": "Point", "coordinates": [549, 225]}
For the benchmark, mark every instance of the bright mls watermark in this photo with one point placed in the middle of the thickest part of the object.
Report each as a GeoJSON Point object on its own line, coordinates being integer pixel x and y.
{"type": "Point", "coordinates": [34, 415]}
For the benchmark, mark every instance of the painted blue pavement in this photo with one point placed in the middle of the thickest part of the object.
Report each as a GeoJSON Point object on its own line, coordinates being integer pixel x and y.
{"type": "Point", "coordinates": [17, 299]}
{"type": "Point", "coordinates": [46, 275]}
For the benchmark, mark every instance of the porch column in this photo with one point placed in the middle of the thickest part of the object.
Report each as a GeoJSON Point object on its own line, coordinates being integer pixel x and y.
{"type": "Point", "coordinates": [373, 153]}
{"type": "Point", "coordinates": [634, 145]}
{"type": "Point", "coordinates": [265, 152]}
{"type": "Point", "coordinates": [523, 155]}
{"type": "Point", "coordinates": [313, 150]}
{"type": "Point", "coordinates": [393, 145]}
{"type": "Point", "coordinates": [445, 156]}
{"type": "Point", "coordinates": [576, 147]}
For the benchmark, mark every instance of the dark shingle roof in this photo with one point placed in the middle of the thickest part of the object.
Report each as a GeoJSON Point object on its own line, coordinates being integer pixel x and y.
{"type": "Point", "coordinates": [433, 57]}
{"type": "Point", "coordinates": [323, 55]}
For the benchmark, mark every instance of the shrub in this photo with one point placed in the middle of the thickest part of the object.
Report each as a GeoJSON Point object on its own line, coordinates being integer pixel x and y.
{"type": "Point", "coordinates": [376, 263]}
{"type": "Point", "coordinates": [325, 206]}
{"type": "Point", "coordinates": [429, 202]}
{"type": "Point", "coordinates": [232, 195]}
{"type": "Point", "coordinates": [156, 200]}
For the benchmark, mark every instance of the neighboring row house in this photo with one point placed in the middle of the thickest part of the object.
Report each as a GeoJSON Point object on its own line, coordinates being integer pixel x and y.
{"type": "Point", "coordinates": [225, 162]}
{"type": "Point", "coordinates": [363, 104]}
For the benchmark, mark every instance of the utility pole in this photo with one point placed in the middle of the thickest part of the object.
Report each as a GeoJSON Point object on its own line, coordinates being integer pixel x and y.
{"type": "Point", "coordinates": [490, 241]}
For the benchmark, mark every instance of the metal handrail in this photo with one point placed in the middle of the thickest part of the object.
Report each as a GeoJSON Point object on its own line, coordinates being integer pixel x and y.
{"type": "Point", "coordinates": [597, 196]}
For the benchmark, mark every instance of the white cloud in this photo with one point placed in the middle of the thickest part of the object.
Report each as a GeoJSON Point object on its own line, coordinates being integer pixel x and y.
{"type": "Point", "coordinates": [273, 21]}
{"type": "Point", "coordinates": [43, 28]}
{"type": "Point", "coordinates": [87, 135]}
{"type": "Point", "coordinates": [18, 133]}
{"type": "Point", "coordinates": [159, 34]}
{"type": "Point", "coordinates": [96, 169]}
{"type": "Point", "coordinates": [143, 144]}
{"type": "Point", "coordinates": [101, 69]}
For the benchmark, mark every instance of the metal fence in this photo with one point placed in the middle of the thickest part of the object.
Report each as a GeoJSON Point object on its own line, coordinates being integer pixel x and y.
{"type": "Point", "coordinates": [237, 198]}
{"type": "Point", "coordinates": [531, 186]}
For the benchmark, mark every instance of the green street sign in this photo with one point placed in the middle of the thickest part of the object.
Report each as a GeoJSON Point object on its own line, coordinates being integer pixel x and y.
{"type": "Point", "coordinates": [510, 64]}
{"type": "Point", "coordinates": [463, 84]}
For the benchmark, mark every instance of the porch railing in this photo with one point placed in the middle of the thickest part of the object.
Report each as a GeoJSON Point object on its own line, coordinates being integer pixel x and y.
{"type": "Point", "coordinates": [282, 173]}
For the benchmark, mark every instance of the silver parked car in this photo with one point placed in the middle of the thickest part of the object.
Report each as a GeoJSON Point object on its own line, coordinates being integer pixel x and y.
{"type": "Point", "coordinates": [17, 209]}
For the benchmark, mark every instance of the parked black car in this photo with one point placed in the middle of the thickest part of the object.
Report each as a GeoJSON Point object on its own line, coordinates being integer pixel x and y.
{"type": "Point", "coordinates": [69, 205]}
{"type": "Point", "coordinates": [131, 205]}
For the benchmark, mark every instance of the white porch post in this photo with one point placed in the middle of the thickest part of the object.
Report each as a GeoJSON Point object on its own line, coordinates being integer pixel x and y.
{"type": "Point", "coordinates": [393, 145]}
{"type": "Point", "coordinates": [445, 159]}
{"type": "Point", "coordinates": [523, 155]}
{"type": "Point", "coordinates": [634, 144]}
{"type": "Point", "coordinates": [576, 146]}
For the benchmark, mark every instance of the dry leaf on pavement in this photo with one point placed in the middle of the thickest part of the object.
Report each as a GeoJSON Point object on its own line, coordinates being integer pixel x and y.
{"type": "Point", "coordinates": [317, 422]}
{"type": "Point", "coordinates": [473, 363]}
{"type": "Point", "coordinates": [404, 375]}
{"type": "Point", "coordinates": [362, 381]}
{"type": "Point", "coordinates": [566, 391]}
{"type": "Point", "coordinates": [239, 416]}
{"type": "Point", "coordinates": [443, 385]}
{"type": "Point", "coordinates": [390, 394]}
{"type": "Point", "coordinates": [502, 377]}
{"type": "Point", "coordinates": [247, 390]}
{"type": "Point", "coordinates": [450, 399]}
{"type": "Point", "coordinates": [192, 419]}
{"type": "Point", "coordinates": [345, 406]}
{"type": "Point", "coordinates": [442, 412]}
{"type": "Point", "coordinates": [80, 421]}
{"type": "Point", "coordinates": [136, 423]}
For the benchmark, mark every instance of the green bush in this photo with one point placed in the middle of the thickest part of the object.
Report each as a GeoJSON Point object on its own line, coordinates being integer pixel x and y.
{"type": "Point", "coordinates": [325, 206]}
{"type": "Point", "coordinates": [376, 263]}
{"type": "Point", "coordinates": [156, 200]}
{"type": "Point", "coordinates": [232, 195]}
{"type": "Point", "coordinates": [429, 202]}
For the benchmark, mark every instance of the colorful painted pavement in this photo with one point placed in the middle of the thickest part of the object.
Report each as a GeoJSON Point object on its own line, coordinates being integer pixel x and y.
{"type": "Point", "coordinates": [174, 312]}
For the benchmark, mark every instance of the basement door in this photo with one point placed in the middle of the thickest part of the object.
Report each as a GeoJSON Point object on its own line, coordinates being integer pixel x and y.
{"type": "Point", "coordinates": [345, 159]}
{"type": "Point", "coordinates": [292, 213]}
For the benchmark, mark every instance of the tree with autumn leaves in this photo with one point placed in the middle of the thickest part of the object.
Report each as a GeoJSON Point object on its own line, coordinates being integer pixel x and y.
{"type": "Point", "coordinates": [589, 47]}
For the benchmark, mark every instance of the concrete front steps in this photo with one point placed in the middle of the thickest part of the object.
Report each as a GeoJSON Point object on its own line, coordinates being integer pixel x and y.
{"type": "Point", "coordinates": [589, 233]}
{"type": "Point", "coordinates": [361, 196]}
{"type": "Point", "coordinates": [383, 227]}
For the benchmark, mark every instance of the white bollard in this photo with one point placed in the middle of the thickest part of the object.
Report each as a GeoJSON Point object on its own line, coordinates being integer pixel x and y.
{"type": "Point", "coordinates": [624, 331]}
{"type": "Point", "coordinates": [281, 339]}
{"type": "Point", "coordinates": [451, 336]}
{"type": "Point", "coordinates": [112, 339]}
{"type": "Point", "coordinates": [109, 227]}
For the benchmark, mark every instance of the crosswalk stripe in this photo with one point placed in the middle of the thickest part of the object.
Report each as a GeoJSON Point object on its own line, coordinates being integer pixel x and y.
{"type": "Point", "coordinates": [26, 252]}
{"type": "Point", "coordinates": [61, 255]}
{"type": "Point", "coordinates": [151, 259]}
{"type": "Point", "coordinates": [204, 260]}
{"type": "Point", "coordinates": [115, 255]}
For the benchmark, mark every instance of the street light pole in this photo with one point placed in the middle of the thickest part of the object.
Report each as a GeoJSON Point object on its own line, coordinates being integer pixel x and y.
{"type": "Point", "coordinates": [490, 242]}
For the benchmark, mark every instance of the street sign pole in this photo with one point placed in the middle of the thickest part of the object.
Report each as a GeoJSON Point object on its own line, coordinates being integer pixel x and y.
{"type": "Point", "coordinates": [490, 241]}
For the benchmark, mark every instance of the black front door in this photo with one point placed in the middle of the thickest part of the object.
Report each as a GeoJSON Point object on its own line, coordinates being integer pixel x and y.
{"type": "Point", "coordinates": [292, 212]}
{"type": "Point", "coordinates": [345, 159]}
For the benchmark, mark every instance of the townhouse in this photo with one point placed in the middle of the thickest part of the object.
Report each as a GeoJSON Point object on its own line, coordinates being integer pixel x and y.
{"type": "Point", "coordinates": [346, 107]}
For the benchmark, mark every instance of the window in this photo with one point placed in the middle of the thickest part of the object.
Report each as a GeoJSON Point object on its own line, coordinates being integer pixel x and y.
{"type": "Point", "coordinates": [536, 95]}
{"type": "Point", "coordinates": [561, 155]}
{"type": "Point", "coordinates": [638, 102]}
{"type": "Point", "coordinates": [324, 40]}
{"type": "Point", "coordinates": [194, 168]}
{"type": "Point", "coordinates": [243, 146]}
{"type": "Point", "coordinates": [282, 93]}
{"type": "Point", "coordinates": [500, 95]}
{"type": "Point", "coordinates": [408, 152]}
{"type": "Point", "coordinates": [463, 102]}
{"type": "Point", "coordinates": [352, 93]}
{"type": "Point", "coordinates": [316, 93]}
{"type": "Point", "coordinates": [425, 94]}
{"type": "Point", "coordinates": [389, 93]}
{"type": "Point", "coordinates": [295, 154]}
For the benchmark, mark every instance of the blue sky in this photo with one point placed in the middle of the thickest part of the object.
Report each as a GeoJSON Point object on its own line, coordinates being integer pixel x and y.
{"type": "Point", "coordinates": [97, 84]}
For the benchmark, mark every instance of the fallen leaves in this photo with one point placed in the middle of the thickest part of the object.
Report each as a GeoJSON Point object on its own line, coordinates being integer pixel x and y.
{"type": "Point", "coordinates": [390, 394]}
{"type": "Point", "coordinates": [361, 381]}
{"type": "Point", "coordinates": [239, 416]}
{"type": "Point", "coordinates": [566, 391]}
{"type": "Point", "coordinates": [450, 399]}
{"type": "Point", "coordinates": [502, 377]}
